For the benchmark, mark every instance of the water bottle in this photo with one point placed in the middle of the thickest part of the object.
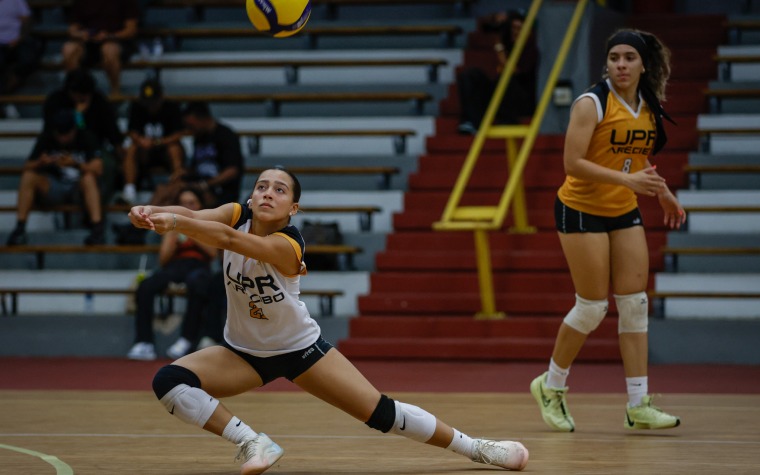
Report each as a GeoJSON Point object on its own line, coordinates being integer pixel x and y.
{"type": "Point", "coordinates": [158, 47]}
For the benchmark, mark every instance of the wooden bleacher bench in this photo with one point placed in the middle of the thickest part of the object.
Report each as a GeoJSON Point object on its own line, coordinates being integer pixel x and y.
{"type": "Point", "coordinates": [40, 250]}
{"type": "Point", "coordinates": [736, 26]}
{"type": "Point", "coordinates": [706, 133]}
{"type": "Point", "coordinates": [722, 209]}
{"type": "Point", "coordinates": [326, 297]}
{"type": "Point", "coordinates": [448, 32]}
{"type": "Point", "coordinates": [384, 171]}
{"type": "Point", "coordinates": [725, 61]}
{"type": "Point", "coordinates": [291, 66]}
{"type": "Point", "coordinates": [658, 297]}
{"type": "Point", "coordinates": [672, 253]}
{"type": "Point", "coordinates": [365, 212]}
{"type": "Point", "coordinates": [695, 171]}
{"type": "Point", "coordinates": [254, 137]}
{"type": "Point", "coordinates": [272, 101]}
{"type": "Point", "coordinates": [716, 96]}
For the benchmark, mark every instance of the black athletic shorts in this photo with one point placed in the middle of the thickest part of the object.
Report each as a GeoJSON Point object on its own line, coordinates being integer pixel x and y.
{"type": "Point", "coordinates": [569, 220]}
{"type": "Point", "coordinates": [288, 365]}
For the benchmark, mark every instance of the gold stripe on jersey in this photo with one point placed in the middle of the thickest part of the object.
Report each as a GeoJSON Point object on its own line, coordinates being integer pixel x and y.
{"type": "Point", "coordinates": [299, 256]}
{"type": "Point", "coordinates": [622, 141]}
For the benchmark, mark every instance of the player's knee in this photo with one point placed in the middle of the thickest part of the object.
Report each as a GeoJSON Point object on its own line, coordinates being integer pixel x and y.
{"type": "Point", "coordinates": [179, 391]}
{"type": "Point", "coordinates": [384, 415]}
{"type": "Point", "coordinates": [633, 312]}
{"type": "Point", "coordinates": [586, 315]}
{"type": "Point", "coordinates": [413, 422]}
{"type": "Point", "coordinates": [170, 376]}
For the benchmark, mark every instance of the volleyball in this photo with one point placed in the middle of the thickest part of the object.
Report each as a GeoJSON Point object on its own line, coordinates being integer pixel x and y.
{"type": "Point", "coordinates": [279, 18]}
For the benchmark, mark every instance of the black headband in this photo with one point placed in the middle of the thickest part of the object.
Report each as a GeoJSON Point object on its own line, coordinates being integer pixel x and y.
{"type": "Point", "coordinates": [630, 38]}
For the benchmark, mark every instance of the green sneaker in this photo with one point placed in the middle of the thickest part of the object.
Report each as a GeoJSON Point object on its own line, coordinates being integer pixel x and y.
{"type": "Point", "coordinates": [552, 404]}
{"type": "Point", "coordinates": [648, 416]}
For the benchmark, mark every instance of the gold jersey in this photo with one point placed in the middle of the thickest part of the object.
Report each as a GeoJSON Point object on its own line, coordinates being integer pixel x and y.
{"type": "Point", "coordinates": [622, 141]}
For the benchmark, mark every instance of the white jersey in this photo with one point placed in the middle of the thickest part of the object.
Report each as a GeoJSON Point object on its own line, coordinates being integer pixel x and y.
{"type": "Point", "coordinates": [264, 314]}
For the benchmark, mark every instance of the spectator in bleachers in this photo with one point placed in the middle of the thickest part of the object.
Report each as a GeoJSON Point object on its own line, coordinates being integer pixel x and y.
{"type": "Point", "coordinates": [18, 51]}
{"type": "Point", "coordinates": [155, 128]}
{"type": "Point", "coordinates": [476, 85]}
{"type": "Point", "coordinates": [94, 113]}
{"type": "Point", "coordinates": [216, 164]}
{"type": "Point", "coordinates": [101, 32]}
{"type": "Point", "coordinates": [203, 325]}
{"type": "Point", "coordinates": [179, 257]}
{"type": "Point", "coordinates": [65, 159]}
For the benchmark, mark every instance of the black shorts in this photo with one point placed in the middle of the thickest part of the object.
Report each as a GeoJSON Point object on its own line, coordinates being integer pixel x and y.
{"type": "Point", "coordinates": [569, 220]}
{"type": "Point", "coordinates": [288, 365]}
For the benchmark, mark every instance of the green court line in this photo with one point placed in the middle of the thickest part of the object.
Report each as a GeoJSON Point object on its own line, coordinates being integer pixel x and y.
{"type": "Point", "coordinates": [61, 468]}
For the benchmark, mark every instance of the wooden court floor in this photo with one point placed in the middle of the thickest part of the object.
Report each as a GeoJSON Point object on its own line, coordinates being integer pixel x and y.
{"type": "Point", "coordinates": [129, 432]}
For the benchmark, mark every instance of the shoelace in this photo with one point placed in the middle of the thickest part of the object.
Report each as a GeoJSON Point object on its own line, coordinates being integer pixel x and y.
{"type": "Point", "coordinates": [247, 449]}
{"type": "Point", "coordinates": [485, 446]}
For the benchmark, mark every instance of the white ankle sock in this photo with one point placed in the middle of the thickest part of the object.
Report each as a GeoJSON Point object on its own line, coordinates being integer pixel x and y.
{"type": "Point", "coordinates": [237, 430]}
{"type": "Point", "coordinates": [637, 389]}
{"type": "Point", "coordinates": [461, 444]}
{"type": "Point", "coordinates": [557, 377]}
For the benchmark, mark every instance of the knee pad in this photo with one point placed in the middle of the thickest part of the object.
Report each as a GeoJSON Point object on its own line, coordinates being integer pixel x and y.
{"type": "Point", "coordinates": [384, 415]}
{"type": "Point", "coordinates": [413, 422]}
{"type": "Point", "coordinates": [179, 391]}
{"type": "Point", "coordinates": [586, 315]}
{"type": "Point", "coordinates": [633, 312]}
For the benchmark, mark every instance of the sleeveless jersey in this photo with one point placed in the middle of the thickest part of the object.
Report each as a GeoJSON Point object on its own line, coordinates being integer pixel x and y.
{"type": "Point", "coordinates": [264, 314]}
{"type": "Point", "coordinates": [622, 141]}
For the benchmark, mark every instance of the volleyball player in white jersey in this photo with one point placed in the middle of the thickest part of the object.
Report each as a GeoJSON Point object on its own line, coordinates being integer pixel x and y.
{"type": "Point", "coordinates": [269, 334]}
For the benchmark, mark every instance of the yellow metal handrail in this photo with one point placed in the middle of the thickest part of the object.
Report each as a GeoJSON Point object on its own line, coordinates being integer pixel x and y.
{"type": "Point", "coordinates": [482, 219]}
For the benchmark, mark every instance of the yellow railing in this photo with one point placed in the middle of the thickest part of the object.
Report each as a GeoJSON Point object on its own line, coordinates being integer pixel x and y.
{"type": "Point", "coordinates": [482, 219]}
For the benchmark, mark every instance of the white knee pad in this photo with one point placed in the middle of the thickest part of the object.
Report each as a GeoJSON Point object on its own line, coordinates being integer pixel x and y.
{"type": "Point", "coordinates": [191, 405]}
{"type": "Point", "coordinates": [633, 312]}
{"type": "Point", "coordinates": [413, 422]}
{"type": "Point", "coordinates": [586, 315]}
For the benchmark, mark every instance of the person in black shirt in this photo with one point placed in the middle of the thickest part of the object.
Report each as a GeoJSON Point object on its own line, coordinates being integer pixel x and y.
{"type": "Point", "coordinates": [155, 128]}
{"type": "Point", "coordinates": [64, 159]}
{"type": "Point", "coordinates": [476, 85]}
{"type": "Point", "coordinates": [216, 164]}
{"type": "Point", "coordinates": [93, 112]}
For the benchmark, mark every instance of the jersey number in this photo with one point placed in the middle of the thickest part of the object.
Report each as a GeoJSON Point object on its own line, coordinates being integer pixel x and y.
{"type": "Point", "coordinates": [627, 165]}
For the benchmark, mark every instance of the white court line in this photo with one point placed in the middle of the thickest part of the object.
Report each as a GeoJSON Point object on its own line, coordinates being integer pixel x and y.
{"type": "Point", "coordinates": [575, 438]}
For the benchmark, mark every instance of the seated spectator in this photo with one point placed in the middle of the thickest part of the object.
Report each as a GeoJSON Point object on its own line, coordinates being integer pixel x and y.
{"type": "Point", "coordinates": [19, 52]}
{"type": "Point", "coordinates": [155, 128]}
{"type": "Point", "coordinates": [178, 258]}
{"type": "Point", "coordinates": [216, 164]}
{"type": "Point", "coordinates": [476, 85]}
{"type": "Point", "coordinates": [64, 159]}
{"type": "Point", "coordinates": [203, 325]}
{"type": "Point", "coordinates": [94, 113]}
{"type": "Point", "coordinates": [101, 32]}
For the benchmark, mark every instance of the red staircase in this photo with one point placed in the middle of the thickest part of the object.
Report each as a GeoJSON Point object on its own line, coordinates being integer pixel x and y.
{"type": "Point", "coordinates": [425, 292]}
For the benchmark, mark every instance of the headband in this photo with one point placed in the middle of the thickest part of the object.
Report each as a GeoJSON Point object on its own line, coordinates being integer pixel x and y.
{"type": "Point", "coordinates": [630, 38]}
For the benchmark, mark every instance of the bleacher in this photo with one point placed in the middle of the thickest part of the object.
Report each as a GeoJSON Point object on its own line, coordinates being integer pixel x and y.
{"type": "Point", "coordinates": [364, 106]}
{"type": "Point", "coordinates": [346, 105]}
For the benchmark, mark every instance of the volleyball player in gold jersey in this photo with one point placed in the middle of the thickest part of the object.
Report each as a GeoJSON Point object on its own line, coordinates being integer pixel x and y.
{"type": "Point", "coordinates": [614, 127]}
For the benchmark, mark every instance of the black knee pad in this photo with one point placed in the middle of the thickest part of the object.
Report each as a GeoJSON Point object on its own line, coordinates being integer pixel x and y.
{"type": "Point", "coordinates": [170, 376]}
{"type": "Point", "coordinates": [384, 416]}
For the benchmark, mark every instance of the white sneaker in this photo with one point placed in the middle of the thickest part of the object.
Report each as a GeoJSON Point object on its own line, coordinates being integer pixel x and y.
{"type": "Point", "coordinates": [142, 351]}
{"type": "Point", "coordinates": [259, 454]}
{"type": "Point", "coordinates": [179, 349]}
{"type": "Point", "coordinates": [502, 453]}
{"type": "Point", "coordinates": [206, 342]}
{"type": "Point", "coordinates": [11, 112]}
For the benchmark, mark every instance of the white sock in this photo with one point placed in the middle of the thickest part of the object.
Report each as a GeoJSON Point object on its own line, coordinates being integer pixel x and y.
{"type": "Point", "coordinates": [637, 389]}
{"type": "Point", "coordinates": [237, 430]}
{"type": "Point", "coordinates": [461, 444]}
{"type": "Point", "coordinates": [557, 377]}
{"type": "Point", "coordinates": [130, 192]}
